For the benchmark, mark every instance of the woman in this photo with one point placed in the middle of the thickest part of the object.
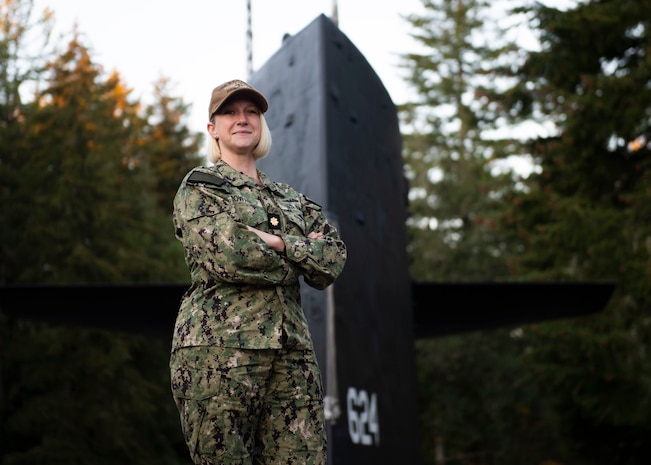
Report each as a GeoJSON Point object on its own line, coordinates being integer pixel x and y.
{"type": "Point", "coordinates": [244, 373]}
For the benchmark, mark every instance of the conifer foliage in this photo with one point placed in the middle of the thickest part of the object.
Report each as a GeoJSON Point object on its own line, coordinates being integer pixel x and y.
{"type": "Point", "coordinates": [87, 179]}
{"type": "Point", "coordinates": [586, 217]}
{"type": "Point", "coordinates": [569, 391]}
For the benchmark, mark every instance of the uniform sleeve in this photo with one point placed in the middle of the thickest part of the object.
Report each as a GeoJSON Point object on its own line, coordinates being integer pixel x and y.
{"type": "Point", "coordinates": [321, 261]}
{"type": "Point", "coordinates": [218, 247]}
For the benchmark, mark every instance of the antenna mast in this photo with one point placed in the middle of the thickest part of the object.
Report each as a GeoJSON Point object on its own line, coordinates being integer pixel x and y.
{"type": "Point", "coordinates": [335, 13]}
{"type": "Point", "coordinates": [249, 41]}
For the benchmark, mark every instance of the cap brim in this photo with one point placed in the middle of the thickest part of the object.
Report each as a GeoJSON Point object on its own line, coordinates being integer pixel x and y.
{"type": "Point", "coordinates": [251, 94]}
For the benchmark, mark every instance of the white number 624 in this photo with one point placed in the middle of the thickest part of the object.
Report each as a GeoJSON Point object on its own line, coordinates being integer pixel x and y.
{"type": "Point", "coordinates": [363, 421]}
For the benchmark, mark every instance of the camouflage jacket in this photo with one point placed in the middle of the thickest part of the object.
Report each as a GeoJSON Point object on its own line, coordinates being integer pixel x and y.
{"type": "Point", "coordinates": [244, 294]}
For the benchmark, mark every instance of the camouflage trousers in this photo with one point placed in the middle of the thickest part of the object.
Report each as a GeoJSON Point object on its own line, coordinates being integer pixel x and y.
{"type": "Point", "coordinates": [250, 406]}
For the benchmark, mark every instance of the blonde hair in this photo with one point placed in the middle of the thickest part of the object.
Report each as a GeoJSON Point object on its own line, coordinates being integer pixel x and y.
{"type": "Point", "coordinates": [260, 151]}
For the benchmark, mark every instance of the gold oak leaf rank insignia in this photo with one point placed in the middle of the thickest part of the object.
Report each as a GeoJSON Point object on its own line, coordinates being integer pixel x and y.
{"type": "Point", "coordinates": [274, 221]}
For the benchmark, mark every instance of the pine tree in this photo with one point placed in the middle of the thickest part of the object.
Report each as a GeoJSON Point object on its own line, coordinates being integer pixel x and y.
{"type": "Point", "coordinates": [24, 46]}
{"type": "Point", "coordinates": [474, 405]}
{"type": "Point", "coordinates": [80, 204]}
{"type": "Point", "coordinates": [88, 184]}
{"type": "Point", "coordinates": [585, 217]}
{"type": "Point", "coordinates": [171, 149]}
{"type": "Point", "coordinates": [452, 166]}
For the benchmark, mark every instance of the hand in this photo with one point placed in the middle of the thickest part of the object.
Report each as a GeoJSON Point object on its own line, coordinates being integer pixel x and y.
{"type": "Point", "coordinates": [315, 235]}
{"type": "Point", "coordinates": [273, 242]}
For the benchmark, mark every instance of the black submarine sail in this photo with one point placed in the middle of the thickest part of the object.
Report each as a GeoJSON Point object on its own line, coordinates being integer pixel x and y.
{"type": "Point", "coordinates": [336, 138]}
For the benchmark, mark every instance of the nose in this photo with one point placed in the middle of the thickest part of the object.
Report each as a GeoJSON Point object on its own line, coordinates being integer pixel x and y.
{"type": "Point", "coordinates": [242, 117]}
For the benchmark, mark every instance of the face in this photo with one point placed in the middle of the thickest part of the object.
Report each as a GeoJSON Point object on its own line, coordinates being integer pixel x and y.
{"type": "Point", "coordinates": [236, 126]}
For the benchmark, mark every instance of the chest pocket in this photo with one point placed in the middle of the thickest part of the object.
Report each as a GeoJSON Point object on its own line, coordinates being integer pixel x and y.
{"type": "Point", "coordinates": [249, 210]}
{"type": "Point", "coordinates": [292, 211]}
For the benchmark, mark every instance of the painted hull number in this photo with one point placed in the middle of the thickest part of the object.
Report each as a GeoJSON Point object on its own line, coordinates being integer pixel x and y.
{"type": "Point", "coordinates": [363, 419]}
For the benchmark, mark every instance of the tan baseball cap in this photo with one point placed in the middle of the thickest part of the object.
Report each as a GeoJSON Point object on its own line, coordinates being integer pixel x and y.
{"type": "Point", "coordinates": [235, 87]}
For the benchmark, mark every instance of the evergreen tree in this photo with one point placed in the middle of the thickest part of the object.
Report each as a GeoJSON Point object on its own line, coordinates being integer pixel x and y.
{"type": "Point", "coordinates": [475, 407]}
{"type": "Point", "coordinates": [24, 46]}
{"type": "Point", "coordinates": [585, 217]}
{"type": "Point", "coordinates": [478, 404]}
{"type": "Point", "coordinates": [169, 151]}
{"type": "Point", "coordinates": [72, 395]}
{"type": "Point", "coordinates": [86, 191]}
{"type": "Point", "coordinates": [81, 201]}
{"type": "Point", "coordinates": [87, 186]}
{"type": "Point", "coordinates": [451, 164]}
{"type": "Point", "coordinates": [169, 146]}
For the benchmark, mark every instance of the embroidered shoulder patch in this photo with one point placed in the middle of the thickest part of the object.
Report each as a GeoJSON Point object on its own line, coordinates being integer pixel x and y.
{"type": "Point", "coordinates": [198, 177]}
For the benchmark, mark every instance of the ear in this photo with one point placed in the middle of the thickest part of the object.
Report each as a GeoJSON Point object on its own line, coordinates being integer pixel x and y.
{"type": "Point", "coordinates": [212, 130]}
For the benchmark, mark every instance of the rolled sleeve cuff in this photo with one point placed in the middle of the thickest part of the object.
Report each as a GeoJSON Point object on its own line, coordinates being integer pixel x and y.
{"type": "Point", "coordinates": [296, 248]}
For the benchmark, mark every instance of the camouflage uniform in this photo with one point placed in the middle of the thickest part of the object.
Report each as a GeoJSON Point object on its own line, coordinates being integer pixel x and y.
{"type": "Point", "coordinates": [244, 374]}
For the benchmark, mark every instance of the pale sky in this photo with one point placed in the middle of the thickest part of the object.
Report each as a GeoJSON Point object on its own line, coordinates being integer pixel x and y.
{"type": "Point", "coordinates": [199, 44]}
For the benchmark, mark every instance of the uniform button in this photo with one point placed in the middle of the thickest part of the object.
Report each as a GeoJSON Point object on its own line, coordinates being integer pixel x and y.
{"type": "Point", "coordinates": [297, 254]}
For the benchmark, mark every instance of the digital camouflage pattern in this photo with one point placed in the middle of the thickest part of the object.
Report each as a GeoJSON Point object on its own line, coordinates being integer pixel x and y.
{"type": "Point", "coordinates": [244, 373]}
{"type": "Point", "coordinates": [244, 294]}
{"type": "Point", "coordinates": [228, 397]}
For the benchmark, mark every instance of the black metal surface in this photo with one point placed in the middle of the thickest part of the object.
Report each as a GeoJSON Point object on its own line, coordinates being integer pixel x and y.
{"type": "Point", "coordinates": [451, 308]}
{"type": "Point", "coordinates": [139, 308]}
{"type": "Point", "coordinates": [336, 137]}
{"type": "Point", "coordinates": [439, 309]}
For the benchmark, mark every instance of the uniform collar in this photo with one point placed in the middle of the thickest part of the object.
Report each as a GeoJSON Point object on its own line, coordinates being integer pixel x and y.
{"type": "Point", "coordinates": [233, 176]}
{"type": "Point", "coordinates": [239, 179]}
